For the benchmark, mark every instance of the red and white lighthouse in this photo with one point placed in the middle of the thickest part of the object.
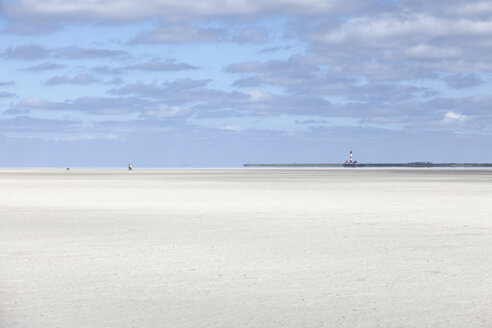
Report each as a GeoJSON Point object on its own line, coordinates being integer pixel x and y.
{"type": "Point", "coordinates": [351, 157]}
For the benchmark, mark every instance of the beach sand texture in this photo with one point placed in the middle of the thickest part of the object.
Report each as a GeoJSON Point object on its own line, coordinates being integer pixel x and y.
{"type": "Point", "coordinates": [246, 248]}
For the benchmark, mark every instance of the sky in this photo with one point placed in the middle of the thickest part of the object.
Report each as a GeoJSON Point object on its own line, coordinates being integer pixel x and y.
{"type": "Point", "coordinates": [220, 83]}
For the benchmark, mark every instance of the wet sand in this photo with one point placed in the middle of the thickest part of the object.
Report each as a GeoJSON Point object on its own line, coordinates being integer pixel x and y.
{"type": "Point", "coordinates": [246, 248]}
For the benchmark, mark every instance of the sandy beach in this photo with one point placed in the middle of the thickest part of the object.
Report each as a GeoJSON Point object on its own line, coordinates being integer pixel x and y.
{"type": "Point", "coordinates": [246, 248]}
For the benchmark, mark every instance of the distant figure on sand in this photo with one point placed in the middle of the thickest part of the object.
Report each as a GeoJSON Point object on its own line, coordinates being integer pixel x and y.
{"type": "Point", "coordinates": [130, 167]}
{"type": "Point", "coordinates": [68, 169]}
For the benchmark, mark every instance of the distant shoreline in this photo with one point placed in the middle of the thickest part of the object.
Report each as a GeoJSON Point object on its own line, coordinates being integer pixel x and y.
{"type": "Point", "coordinates": [406, 165]}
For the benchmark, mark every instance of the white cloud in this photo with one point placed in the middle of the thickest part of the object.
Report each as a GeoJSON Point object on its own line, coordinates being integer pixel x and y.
{"type": "Point", "coordinates": [258, 95]}
{"type": "Point", "coordinates": [454, 118]}
{"type": "Point", "coordinates": [89, 137]}
{"type": "Point", "coordinates": [427, 51]}
{"type": "Point", "coordinates": [131, 10]}
{"type": "Point", "coordinates": [34, 103]}
{"type": "Point", "coordinates": [390, 29]}
{"type": "Point", "coordinates": [180, 34]}
{"type": "Point", "coordinates": [80, 79]}
{"type": "Point", "coordinates": [157, 65]}
{"type": "Point", "coordinates": [164, 111]}
{"type": "Point", "coordinates": [475, 8]}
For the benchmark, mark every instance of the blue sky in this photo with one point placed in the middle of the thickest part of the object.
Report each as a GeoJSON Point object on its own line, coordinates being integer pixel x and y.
{"type": "Point", "coordinates": [165, 83]}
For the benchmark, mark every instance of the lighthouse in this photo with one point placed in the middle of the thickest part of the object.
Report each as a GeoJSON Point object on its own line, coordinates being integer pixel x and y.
{"type": "Point", "coordinates": [350, 162]}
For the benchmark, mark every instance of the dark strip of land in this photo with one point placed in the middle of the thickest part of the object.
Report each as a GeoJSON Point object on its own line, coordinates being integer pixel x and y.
{"type": "Point", "coordinates": [416, 164]}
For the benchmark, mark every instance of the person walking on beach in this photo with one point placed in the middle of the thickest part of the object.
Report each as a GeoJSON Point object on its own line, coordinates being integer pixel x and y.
{"type": "Point", "coordinates": [130, 167]}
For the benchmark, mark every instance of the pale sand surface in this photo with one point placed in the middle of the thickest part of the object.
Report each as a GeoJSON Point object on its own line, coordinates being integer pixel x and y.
{"type": "Point", "coordinates": [246, 248]}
